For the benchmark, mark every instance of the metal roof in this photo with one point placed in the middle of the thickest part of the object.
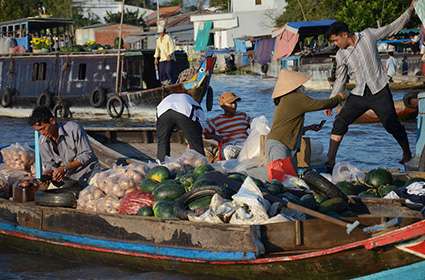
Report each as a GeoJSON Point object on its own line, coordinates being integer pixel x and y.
{"type": "Point", "coordinates": [38, 20]}
{"type": "Point", "coordinates": [311, 24]}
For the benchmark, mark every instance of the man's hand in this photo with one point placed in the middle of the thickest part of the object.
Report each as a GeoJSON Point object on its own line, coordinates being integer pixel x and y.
{"type": "Point", "coordinates": [412, 4]}
{"type": "Point", "coordinates": [342, 95]}
{"type": "Point", "coordinates": [58, 174]}
{"type": "Point", "coordinates": [156, 60]}
{"type": "Point", "coordinates": [328, 112]}
{"type": "Point", "coordinates": [169, 58]}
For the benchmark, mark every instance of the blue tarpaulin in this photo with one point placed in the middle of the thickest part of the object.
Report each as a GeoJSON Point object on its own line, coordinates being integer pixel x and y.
{"type": "Point", "coordinates": [311, 24]}
{"type": "Point", "coordinates": [240, 46]}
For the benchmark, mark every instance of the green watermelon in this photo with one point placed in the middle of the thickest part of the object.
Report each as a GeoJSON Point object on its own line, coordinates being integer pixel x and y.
{"type": "Point", "coordinates": [275, 187]}
{"type": "Point", "coordinates": [145, 211]}
{"type": "Point", "coordinates": [386, 189]}
{"type": "Point", "coordinates": [186, 181]}
{"type": "Point", "coordinates": [202, 169]}
{"type": "Point", "coordinates": [350, 188]}
{"type": "Point", "coordinates": [336, 204]}
{"type": "Point", "coordinates": [369, 193]}
{"type": "Point", "coordinates": [413, 180]}
{"type": "Point", "coordinates": [379, 177]}
{"type": "Point", "coordinates": [201, 182]}
{"type": "Point", "coordinates": [169, 190]}
{"type": "Point", "coordinates": [203, 202]}
{"type": "Point", "coordinates": [237, 177]}
{"type": "Point", "coordinates": [147, 185]}
{"type": "Point", "coordinates": [159, 174]}
{"type": "Point", "coordinates": [319, 198]}
{"type": "Point", "coordinates": [291, 197]}
{"type": "Point", "coordinates": [164, 209]}
{"type": "Point", "coordinates": [308, 201]}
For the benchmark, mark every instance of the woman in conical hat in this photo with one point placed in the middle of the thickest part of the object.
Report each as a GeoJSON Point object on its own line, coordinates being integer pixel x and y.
{"type": "Point", "coordinates": [288, 120]}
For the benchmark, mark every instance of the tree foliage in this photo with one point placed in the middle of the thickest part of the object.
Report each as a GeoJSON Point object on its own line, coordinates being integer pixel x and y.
{"type": "Point", "coordinates": [133, 18]}
{"type": "Point", "coordinates": [358, 14]}
{"type": "Point", "coordinates": [16, 9]}
{"type": "Point", "coordinates": [80, 19]}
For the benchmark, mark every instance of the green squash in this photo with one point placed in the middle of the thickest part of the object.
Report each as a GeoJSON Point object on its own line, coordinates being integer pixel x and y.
{"type": "Point", "coordinates": [308, 201]}
{"type": "Point", "coordinates": [237, 177]}
{"type": "Point", "coordinates": [336, 204]}
{"type": "Point", "coordinates": [274, 188]}
{"type": "Point", "coordinates": [369, 193]}
{"type": "Point", "coordinates": [202, 169]}
{"type": "Point", "coordinates": [145, 211]}
{"type": "Point", "coordinates": [159, 174]}
{"type": "Point", "coordinates": [349, 188]}
{"type": "Point", "coordinates": [379, 177]}
{"type": "Point", "coordinates": [386, 189]}
{"type": "Point", "coordinates": [203, 202]}
{"type": "Point", "coordinates": [164, 209]}
{"type": "Point", "coordinates": [147, 185]}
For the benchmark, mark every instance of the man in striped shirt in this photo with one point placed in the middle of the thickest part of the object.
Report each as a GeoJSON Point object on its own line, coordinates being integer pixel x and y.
{"type": "Point", "coordinates": [358, 57]}
{"type": "Point", "coordinates": [230, 129]}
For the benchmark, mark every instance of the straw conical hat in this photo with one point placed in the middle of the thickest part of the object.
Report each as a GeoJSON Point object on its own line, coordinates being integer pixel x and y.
{"type": "Point", "coordinates": [288, 81]}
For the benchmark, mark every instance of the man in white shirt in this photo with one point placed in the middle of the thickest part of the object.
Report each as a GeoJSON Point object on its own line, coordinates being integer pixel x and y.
{"type": "Point", "coordinates": [391, 66]}
{"type": "Point", "coordinates": [182, 111]}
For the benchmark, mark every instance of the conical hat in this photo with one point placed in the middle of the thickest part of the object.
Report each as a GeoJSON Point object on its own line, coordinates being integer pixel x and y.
{"type": "Point", "coordinates": [288, 81]}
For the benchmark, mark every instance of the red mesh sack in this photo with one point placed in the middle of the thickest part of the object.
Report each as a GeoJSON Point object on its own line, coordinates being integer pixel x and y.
{"type": "Point", "coordinates": [132, 202]}
{"type": "Point", "coordinates": [280, 168]}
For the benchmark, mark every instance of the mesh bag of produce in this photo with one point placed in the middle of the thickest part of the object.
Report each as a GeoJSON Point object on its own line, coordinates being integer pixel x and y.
{"type": "Point", "coordinates": [132, 202]}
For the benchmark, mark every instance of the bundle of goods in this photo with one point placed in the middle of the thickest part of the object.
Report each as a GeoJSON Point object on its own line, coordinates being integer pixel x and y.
{"type": "Point", "coordinates": [18, 157]}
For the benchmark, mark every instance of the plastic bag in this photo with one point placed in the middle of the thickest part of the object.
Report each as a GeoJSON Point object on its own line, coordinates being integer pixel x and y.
{"type": "Point", "coordinates": [88, 198]}
{"type": "Point", "coordinates": [344, 171]}
{"type": "Point", "coordinates": [280, 168]}
{"type": "Point", "coordinates": [132, 202]}
{"type": "Point", "coordinates": [192, 158]}
{"type": "Point", "coordinates": [251, 147]}
{"type": "Point", "coordinates": [19, 157]}
{"type": "Point", "coordinates": [252, 205]}
{"type": "Point", "coordinates": [108, 204]}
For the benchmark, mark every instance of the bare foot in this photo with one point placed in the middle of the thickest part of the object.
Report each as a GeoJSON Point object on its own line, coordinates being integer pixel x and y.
{"type": "Point", "coordinates": [406, 158]}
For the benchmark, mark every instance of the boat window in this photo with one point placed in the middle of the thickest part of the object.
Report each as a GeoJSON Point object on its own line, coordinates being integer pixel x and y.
{"type": "Point", "coordinates": [39, 71]}
{"type": "Point", "coordinates": [82, 68]}
{"type": "Point", "coordinates": [257, 2]}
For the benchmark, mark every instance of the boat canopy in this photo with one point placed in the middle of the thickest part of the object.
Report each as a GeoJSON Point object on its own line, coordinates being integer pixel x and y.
{"type": "Point", "coordinates": [288, 36]}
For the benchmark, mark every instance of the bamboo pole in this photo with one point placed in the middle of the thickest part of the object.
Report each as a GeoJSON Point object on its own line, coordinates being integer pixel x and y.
{"type": "Point", "coordinates": [118, 77]}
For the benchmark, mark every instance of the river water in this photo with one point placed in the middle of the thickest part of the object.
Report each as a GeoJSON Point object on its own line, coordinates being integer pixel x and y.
{"type": "Point", "coordinates": [365, 146]}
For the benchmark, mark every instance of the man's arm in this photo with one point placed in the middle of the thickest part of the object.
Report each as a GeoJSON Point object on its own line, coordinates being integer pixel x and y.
{"type": "Point", "coordinates": [47, 159]}
{"type": "Point", "coordinates": [394, 27]}
{"type": "Point", "coordinates": [157, 51]}
{"type": "Point", "coordinates": [340, 75]}
{"type": "Point", "coordinates": [171, 47]}
{"type": "Point", "coordinates": [311, 105]}
{"type": "Point", "coordinates": [85, 153]}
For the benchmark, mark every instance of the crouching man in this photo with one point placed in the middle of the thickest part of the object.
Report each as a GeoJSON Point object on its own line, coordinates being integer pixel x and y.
{"type": "Point", "coordinates": [65, 150]}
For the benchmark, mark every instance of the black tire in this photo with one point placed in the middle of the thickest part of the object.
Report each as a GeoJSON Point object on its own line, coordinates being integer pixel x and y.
{"type": "Point", "coordinates": [65, 197]}
{"type": "Point", "coordinates": [209, 99]}
{"type": "Point", "coordinates": [115, 107]}
{"type": "Point", "coordinates": [181, 206]}
{"type": "Point", "coordinates": [321, 185]}
{"type": "Point", "coordinates": [62, 111]}
{"type": "Point", "coordinates": [97, 98]}
{"type": "Point", "coordinates": [45, 99]}
{"type": "Point", "coordinates": [7, 98]}
{"type": "Point", "coordinates": [407, 100]}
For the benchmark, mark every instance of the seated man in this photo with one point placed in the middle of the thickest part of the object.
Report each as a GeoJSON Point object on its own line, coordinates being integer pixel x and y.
{"type": "Point", "coordinates": [65, 150]}
{"type": "Point", "coordinates": [230, 129]}
{"type": "Point", "coordinates": [182, 111]}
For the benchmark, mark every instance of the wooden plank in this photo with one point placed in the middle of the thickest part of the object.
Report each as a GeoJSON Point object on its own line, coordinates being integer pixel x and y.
{"type": "Point", "coordinates": [23, 214]}
{"type": "Point", "coordinates": [154, 231]}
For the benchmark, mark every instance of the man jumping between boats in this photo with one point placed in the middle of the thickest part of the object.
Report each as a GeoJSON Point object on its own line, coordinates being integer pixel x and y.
{"type": "Point", "coordinates": [358, 57]}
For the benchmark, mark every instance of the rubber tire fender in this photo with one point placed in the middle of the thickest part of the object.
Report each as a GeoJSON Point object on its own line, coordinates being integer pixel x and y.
{"type": "Point", "coordinates": [97, 97]}
{"type": "Point", "coordinates": [7, 98]}
{"type": "Point", "coordinates": [64, 197]}
{"type": "Point", "coordinates": [45, 99]}
{"type": "Point", "coordinates": [408, 97]}
{"type": "Point", "coordinates": [61, 111]}
{"type": "Point", "coordinates": [321, 185]}
{"type": "Point", "coordinates": [113, 103]}
{"type": "Point", "coordinates": [209, 99]}
{"type": "Point", "coordinates": [181, 205]}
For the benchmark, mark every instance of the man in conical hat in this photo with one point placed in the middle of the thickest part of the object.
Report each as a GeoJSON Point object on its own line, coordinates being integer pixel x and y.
{"type": "Point", "coordinates": [164, 55]}
{"type": "Point", "coordinates": [288, 120]}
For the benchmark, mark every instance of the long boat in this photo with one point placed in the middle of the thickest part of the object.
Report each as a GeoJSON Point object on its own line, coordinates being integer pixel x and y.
{"type": "Point", "coordinates": [289, 250]}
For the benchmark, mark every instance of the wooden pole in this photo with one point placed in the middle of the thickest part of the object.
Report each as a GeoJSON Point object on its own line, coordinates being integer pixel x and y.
{"type": "Point", "coordinates": [157, 12]}
{"type": "Point", "coordinates": [118, 77]}
{"type": "Point", "coordinates": [302, 10]}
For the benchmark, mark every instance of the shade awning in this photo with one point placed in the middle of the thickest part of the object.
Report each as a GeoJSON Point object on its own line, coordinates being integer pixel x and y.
{"type": "Point", "coordinates": [203, 36]}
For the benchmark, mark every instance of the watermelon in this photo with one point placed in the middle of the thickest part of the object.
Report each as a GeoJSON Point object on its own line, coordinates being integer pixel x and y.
{"type": "Point", "coordinates": [379, 177]}
{"type": "Point", "coordinates": [291, 197]}
{"type": "Point", "coordinates": [274, 188]}
{"type": "Point", "coordinates": [147, 185]}
{"type": "Point", "coordinates": [169, 190]}
{"type": "Point", "coordinates": [336, 204]}
{"type": "Point", "coordinates": [201, 182]}
{"type": "Point", "coordinates": [203, 202]}
{"type": "Point", "coordinates": [159, 174]}
{"type": "Point", "coordinates": [237, 177]}
{"type": "Point", "coordinates": [145, 211]}
{"type": "Point", "coordinates": [308, 201]}
{"type": "Point", "coordinates": [164, 209]}
{"type": "Point", "coordinates": [319, 198]}
{"type": "Point", "coordinates": [386, 189]}
{"type": "Point", "coordinates": [202, 169]}
{"type": "Point", "coordinates": [369, 193]}
{"type": "Point", "coordinates": [186, 181]}
{"type": "Point", "coordinates": [413, 180]}
{"type": "Point", "coordinates": [351, 188]}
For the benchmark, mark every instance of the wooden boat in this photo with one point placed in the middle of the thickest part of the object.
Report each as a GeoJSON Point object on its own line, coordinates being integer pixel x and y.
{"type": "Point", "coordinates": [311, 248]}
{"type": "Point", "coordinates": [406, 109]}
{"type": "Point", "coordinates": [400, 85]}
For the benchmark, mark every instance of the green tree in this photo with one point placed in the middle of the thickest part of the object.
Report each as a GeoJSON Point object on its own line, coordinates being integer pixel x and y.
{"type": "Point", "coordinates": [80, 20]}
{"type": "Point", "coordinates": [133, 18]}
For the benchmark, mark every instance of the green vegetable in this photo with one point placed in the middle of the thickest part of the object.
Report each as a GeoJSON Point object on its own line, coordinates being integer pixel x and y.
{"type": "Point", "coordinates": [237, 177]}
{"type": "Point", "coordinates": [384, 190]}
{"type": "Point", "coordinates": [413, 180]}
{"type": "Point", "coordinates": [274, 188]}
{"type": "Point", "coordinates": [203, 202]}
{"type": "Point", "coordinates": [186, 181]}
{"type": "Point", "coordinates": [202, 169]}
{"type": "Point", "coordinates": [164, 209]}
{"type": "Point", "coordinates": [379, 177]}
{"type": "Point", "coordinates": [336, 204]}
{"type": "Point", "coordinates": [369, 193]}
{"type": "Point", "coordinates": [145, 211]}
{"type": "Point", "coordinates": [169, 190]}
{"type": "Point", "coordinates": [351, 188]}
{"type": "Point", "coordinates": [319, 198]}
{"type": "Point", "coordinates": [308, 201]}
{"type": "Point", "coordinates": [202, 182]}
{"type": "Point", "coordinates": [159, 174]}
{"type": "Point", "coordinates": [147, 185]}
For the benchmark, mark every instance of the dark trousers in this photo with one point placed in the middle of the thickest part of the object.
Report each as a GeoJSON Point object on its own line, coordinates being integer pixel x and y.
{"type": "Point", "coordinates": [381, 103]}
{"type": "Point", "coordinates": [166, 71]}
{"type": "Point", "coordinates": [192, 131]}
